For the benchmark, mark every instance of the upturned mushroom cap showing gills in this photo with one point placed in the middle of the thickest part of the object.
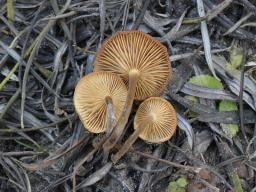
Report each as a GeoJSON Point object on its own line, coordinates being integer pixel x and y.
{"type": "Point", "coordinates": [159, 118]}
{"type": "Point", "coordinates": [136, 52]}
{"type": "Point", "coordinates": [90, 99]}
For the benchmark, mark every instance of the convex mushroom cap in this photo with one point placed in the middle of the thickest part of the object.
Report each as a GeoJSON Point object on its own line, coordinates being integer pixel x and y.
{"type": "Point", "coordinates": [136, 52]}
{"type": "Point", "coordinates": [90, 99]}
{"type": "Point", "coordinates": [159, 118]}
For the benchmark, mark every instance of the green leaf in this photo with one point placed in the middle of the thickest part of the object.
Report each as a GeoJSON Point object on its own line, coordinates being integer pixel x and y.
{"type": "Point", "coordinates": [229, 129]}
{"type": "Point", "coordinates": [236, 57]}
{"type": "Point", "coordinates": [227, 106]}
{"type": "Point", "coordinates": [206, 81]}
{"type": "Point", "coordinates": [182, 182]}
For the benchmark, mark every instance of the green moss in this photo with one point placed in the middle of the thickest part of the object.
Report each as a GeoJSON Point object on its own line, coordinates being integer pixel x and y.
{"type": "Point", "coordinates": [177, 186]}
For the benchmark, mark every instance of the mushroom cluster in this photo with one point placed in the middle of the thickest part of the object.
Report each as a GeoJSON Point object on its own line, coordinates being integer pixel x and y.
{"type": "Point", "coordinates": [130, 65]}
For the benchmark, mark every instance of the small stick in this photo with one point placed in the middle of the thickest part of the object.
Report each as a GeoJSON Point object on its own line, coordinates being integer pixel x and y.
{"type": "Point", "coordinates": [188, 168]}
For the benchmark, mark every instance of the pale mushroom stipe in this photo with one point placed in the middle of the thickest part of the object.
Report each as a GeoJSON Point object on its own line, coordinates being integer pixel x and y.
{"type": "Point", "coordinates": [143, 64]}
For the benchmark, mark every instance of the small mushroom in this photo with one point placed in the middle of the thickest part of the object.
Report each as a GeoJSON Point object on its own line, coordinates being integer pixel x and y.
{"type": "Point", "coordinates": [142, 62]}
{"type": "Point", "coordinates": [155, 122]}
{"type": "Point", "coordinates": [92, 95]}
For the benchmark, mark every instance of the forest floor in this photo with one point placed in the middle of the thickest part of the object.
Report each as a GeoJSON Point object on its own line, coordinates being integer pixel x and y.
{"type": "Point", "coordinates": [47, 46]}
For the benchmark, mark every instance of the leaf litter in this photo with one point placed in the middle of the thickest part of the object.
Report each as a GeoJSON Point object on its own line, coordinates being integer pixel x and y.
{"type": "Point", "coordinates": [47, 46]}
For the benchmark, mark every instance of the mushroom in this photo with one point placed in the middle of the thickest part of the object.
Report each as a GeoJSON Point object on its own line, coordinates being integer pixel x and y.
{"type": "Point", "coordinates": [92, 95]}
{"type": "Point", "coordinates": [143, 64]}
{"type": "Point", "coordinates": [155, 122]}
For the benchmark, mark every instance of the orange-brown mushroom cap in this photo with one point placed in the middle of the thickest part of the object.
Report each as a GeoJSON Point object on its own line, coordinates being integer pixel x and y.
{"type": "Point", "coordinates": [129, 50]}
{"type": "Point", "coordinates": [159, 118]}
{"type": "Point", "coordinates": [90, 98]}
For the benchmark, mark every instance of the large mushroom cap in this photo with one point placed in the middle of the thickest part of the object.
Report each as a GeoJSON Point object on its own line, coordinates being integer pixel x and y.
{"type": "Point", "coordinates": [159, 118]}
{"type": "Point", "coordinates": [129, 50]}
{"type": "Point", "coordinates": [90, 99]}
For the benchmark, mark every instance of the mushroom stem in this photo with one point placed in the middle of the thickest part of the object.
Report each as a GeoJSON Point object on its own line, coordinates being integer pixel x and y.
{"type": "Point", "coordinates": [128, 143]}
{"type": "Point", "coordinates": [114, 137]}
{"type": "Point", "coordinates": [110, 115]}
{"type": "Point", "coordinates": [110, 120]}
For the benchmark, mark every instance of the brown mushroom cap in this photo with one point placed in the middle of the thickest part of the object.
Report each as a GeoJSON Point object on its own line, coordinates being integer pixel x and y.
{"type": "Point", "coordinates": [128, 50]}
{"type": "Point", "coordinates": [90, 97]}
{"type": "Point", "coordinates": [159, 118]}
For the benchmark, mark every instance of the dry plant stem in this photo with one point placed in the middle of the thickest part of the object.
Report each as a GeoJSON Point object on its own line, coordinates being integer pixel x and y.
{"type": "Point", "coordinates": [88, 156]}
{"type": "Point", "coordinates": [110, 120]}
{"type": "Point", "coordinates": [185, 167]}
{"type": "Point", "coordinates": [114, 137]}
{"type": "Point", "coordinates": [79, 165]}
{"type": "Point", "coordinates": [128, 143]}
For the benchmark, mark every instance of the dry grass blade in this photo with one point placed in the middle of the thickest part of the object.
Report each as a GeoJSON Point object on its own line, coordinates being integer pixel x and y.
{"type": "Point", "coordinates": [206, 38]}
{"type": "Point", "coordinates": [175, 29]}
{"type": "Point", "coordinates": [8, 77]}
{"type": "Point", "coordinates": [78, 166]}
{"type": "Point", "coordinates": [58, 62]}
{"type": "Point", "coordinates": [238, 23]}
{"type": "Point", "coordinates": [10, 10]}
{"type": "Point", "coordinates": [218, 9]}
{"type": "Point", "coordinates": [185, 167]}
{"type": "Point", "coordinates": [185, 126]}
{"type": "Point", "coordinates": [10, 102]}
{"type": "Point", "coordinates": [16, 174]}
{"type": "Point", "coordinates": [47, 46]}
{"type": "Point", "coordinates": [38, 42]}
{"type": "Point", "coordinates": [51, 160]}
{"type": "Point", "coordinates": [10, 51]}
{"type": "Point", "coordinates": [95, 177]}
{"type": "Point", "coordinates": [102, 10]}
{"type": "Point", "coordinates": [187, 55]}
{"type": "Point", "coordinates": [207, 93]}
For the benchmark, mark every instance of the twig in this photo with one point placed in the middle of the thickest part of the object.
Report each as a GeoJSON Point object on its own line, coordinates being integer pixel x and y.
{"type": "Point", "coordinates": [102, 10]}
{"type": "Point", "coordinates": [188, 168]}
{"type": "Point", "coordinates": [208, 185]}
